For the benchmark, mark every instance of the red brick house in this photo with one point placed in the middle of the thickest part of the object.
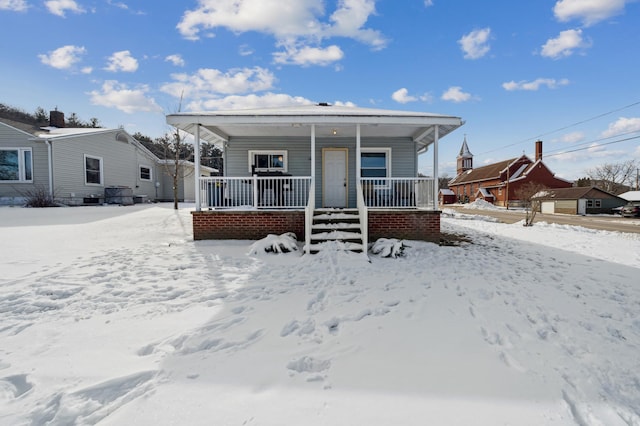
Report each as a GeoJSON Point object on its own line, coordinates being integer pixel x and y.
{"type": "Point", "coordinates": [499, 182]}
{"type": "Point", "coordinates": [322, 171]}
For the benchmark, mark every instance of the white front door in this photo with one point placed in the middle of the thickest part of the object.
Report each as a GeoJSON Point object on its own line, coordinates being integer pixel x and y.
{"type": "Point", "coordinates": [334, 177]}
{"type": "Point", "coordinates": [582, 206]}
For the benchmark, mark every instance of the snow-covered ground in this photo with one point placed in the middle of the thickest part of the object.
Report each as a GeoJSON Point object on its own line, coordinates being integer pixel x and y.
{"type": "Point", "coordinates": [114, 315]}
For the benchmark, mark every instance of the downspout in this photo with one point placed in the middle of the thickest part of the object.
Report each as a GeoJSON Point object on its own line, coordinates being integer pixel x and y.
{"type": "Point", "coordinates": [196, 157]}
{"type": "Point", "coordinates": [50, 161]}
{"type": "Point", "coordinates": [435, 167]}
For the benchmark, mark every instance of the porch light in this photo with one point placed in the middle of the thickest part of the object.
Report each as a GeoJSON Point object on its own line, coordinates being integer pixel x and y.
{"type": "Point", "coordinates": [334, 132]}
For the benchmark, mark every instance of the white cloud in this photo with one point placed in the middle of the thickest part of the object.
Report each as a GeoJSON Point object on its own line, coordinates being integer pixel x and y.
{"type": "Point", "coordinates": [117, 95]}
{"type": "Point", "coordinates": [622, 125]}
{"type": "Point", "coordinates": [86, 70]}
{"type": "Point", "coordinates": [122, 61]}
{"type": "Point", "coordinates": [175, 60]}
{"type": "Point", "coordinates": [287, 21]}
{"type": "Point", "coordinates": [588, 11]}
{"type": "Point", "coordinates": [402, 96]}
{"type": "Point", "coordinates": [60, 7]}
{"type": "Point", "coordinates": [14, 5]}
{"type": "Point", "coordinates": [573, 137]}
{"type": "Point", "coordinates": [455, 94]}
{"type": "Point", "coordinates": [475, 44]}
{"type": "Point", "coordinates": [249, 101]}
{"type": "Point", "coordinates": [210, 83]}
{"type": "Point", "coordinates": [564, 45]}
{"type": "Point", "coordinates": [309, 55]}
{"type": "Point", "coordinates": [63, 57]}
{"type": "Point", "coordinates": [428, 3]}
{"type": "Point", "coordinates": [245, 50]}
{"type": "Point", "coordinates": [551, 83]}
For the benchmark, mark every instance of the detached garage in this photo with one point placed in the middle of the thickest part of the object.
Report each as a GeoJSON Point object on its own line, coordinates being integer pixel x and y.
{"type": "Point", "coordinates": [580, 200]}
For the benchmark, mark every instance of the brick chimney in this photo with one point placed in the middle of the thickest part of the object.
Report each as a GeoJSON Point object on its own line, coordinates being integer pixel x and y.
{"type": "Point", "coordinates": [538, 150]}
{"type": "Point", "coordinates": [56, 118]}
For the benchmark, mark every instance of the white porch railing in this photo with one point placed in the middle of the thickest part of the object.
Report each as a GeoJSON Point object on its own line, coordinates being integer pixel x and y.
{"type": "Point", "coordinates": [399, 193]}
{"type": "Point", "coordinates": [260, 192]}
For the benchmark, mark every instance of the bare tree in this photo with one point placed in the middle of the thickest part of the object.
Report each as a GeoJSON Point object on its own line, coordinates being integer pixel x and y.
{"type": "Point", "coordinates": [531, 195]}
{"type": "Point", "coordinates": [176, 151]}
{"type": "Point", "coordinates": [614, 177]}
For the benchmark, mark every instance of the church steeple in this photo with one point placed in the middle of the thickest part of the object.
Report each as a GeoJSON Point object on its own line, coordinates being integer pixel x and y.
{"type": "Point", "coordinates": [465, 158]}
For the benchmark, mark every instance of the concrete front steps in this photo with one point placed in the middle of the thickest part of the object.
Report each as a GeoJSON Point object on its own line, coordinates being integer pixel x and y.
{"type": "Point", "coordinates": [340, 226]}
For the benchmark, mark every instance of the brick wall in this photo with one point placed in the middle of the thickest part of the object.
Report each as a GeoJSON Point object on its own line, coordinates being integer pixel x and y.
{"type": "Point", "coordinates": [423, 225]}
{"type": "Point", "coordinates": [246, 225]}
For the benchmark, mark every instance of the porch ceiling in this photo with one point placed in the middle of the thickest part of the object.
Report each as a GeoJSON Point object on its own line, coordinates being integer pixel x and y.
{"type": "Point", "coordinates": [330, 121]}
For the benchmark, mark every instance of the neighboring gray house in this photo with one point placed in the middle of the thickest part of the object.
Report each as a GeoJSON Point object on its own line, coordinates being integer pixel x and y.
{"type": "Point", "coordinates": [79, 166]}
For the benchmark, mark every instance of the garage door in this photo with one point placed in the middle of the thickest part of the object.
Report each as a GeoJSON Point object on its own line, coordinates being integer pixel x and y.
{"type": "Point", "coordinates": [548, 207]}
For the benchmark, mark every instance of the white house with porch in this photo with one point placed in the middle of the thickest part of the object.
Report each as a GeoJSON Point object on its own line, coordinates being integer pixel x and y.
{"type": "Point", "coordinates": [284, 168]}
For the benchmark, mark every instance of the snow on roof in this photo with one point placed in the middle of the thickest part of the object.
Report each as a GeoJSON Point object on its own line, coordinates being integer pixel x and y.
{"type": "Point", "coordinates": [311, 110]}
{"type": "Point", "coordinates": [630, 195]}
{"type": "Point", "coordinates": [63, 132]}
{"type": "Point", "coordinates": [447, 192]}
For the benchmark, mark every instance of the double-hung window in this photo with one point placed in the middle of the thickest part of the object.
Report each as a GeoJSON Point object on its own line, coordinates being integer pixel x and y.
{"type": "Point", "coordinates": [93, 171]}
{"type": "Point", "coordinates": [145, 173]}
{"type": "Point", "coordinates": [375, 162]}
{"type": "Point", "coordinates": [268, 161]}
{"type": "Point", "coordinates": [16, 165]}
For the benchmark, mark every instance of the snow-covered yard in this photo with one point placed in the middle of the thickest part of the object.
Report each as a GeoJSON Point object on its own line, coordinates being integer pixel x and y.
{"type": "Point", "coordinates": [113, 315]}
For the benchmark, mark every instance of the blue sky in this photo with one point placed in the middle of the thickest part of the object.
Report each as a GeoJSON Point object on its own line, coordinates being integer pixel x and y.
{"type": "Point", "coordinates": [564, 71]}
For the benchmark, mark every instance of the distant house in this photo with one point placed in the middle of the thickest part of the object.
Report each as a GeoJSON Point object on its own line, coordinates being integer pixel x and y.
{"type": "Point", "coordinates": [579, 200]}
{"type": "Point", "coordinates": [500, 182]}
{"type": "Point", "coordinates": [80, 166]}
{"type": "Point", "coordinates": [447, 196]}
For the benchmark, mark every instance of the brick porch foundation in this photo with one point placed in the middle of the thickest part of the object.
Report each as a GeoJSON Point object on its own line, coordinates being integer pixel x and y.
{"type": "Point", "coordinates": [246, 225]}
{"type": "Point", "coordinates": [421, 225]}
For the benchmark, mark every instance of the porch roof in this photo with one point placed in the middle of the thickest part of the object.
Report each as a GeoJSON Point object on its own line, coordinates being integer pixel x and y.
{"type": "Point", "coordinates": [330, 121]}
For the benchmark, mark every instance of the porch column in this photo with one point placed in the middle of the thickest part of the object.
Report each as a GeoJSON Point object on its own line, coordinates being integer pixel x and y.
{"type": "Point", "coordinates": [196, 160]}
{"type": "Point", "coordinates": [436, 136]}
{"type": "Point", "coordinates": [358, 161]}
{"type": "Point", "coordinates": [313, 155]}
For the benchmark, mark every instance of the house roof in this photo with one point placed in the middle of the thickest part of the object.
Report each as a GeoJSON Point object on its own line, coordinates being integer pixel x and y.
{"type": "Point", "coordinates": [630, 195]}
{"type": "Point", "coordinates": [444, 191]}
{"type": "Point", "coordinates": [574, 193]}
{"type": "Point", "coordinates": [329, 121]}
{"type": "Point", "coordinates": [491, 171]}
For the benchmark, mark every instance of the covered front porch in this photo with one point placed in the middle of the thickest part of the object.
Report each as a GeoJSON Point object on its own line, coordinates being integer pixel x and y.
{"type": "Point", "coordinates": [282, 165]}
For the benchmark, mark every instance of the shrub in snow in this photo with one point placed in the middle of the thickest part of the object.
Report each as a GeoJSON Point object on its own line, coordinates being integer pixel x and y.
{"type": "Point", "coordinates": [388, 247]}
{"type": "Point", "coordinates": [275, 244]}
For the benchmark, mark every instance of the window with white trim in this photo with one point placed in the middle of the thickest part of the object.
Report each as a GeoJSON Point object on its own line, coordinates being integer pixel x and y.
{"type": "Point", "coordinates": [145, 173]}
{"type": "Point", "coordinates": [16, 165]}
{"type": "Point", "coordinates": [375, 162]}
{"type": "Point", "coordinates": [93, 171]}
{"type": "Point", "coordinates": [268, 161]}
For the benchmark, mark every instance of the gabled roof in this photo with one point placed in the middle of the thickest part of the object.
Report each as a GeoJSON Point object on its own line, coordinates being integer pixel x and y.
{"type": "Point", "coordinates": [574, 193]}
{"type": "Point", "coordinates": [18, 125]}
{"type": "Point", "coordinates": [329, 121]}
{"type": "Point", "coordinates": [491, 171]}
